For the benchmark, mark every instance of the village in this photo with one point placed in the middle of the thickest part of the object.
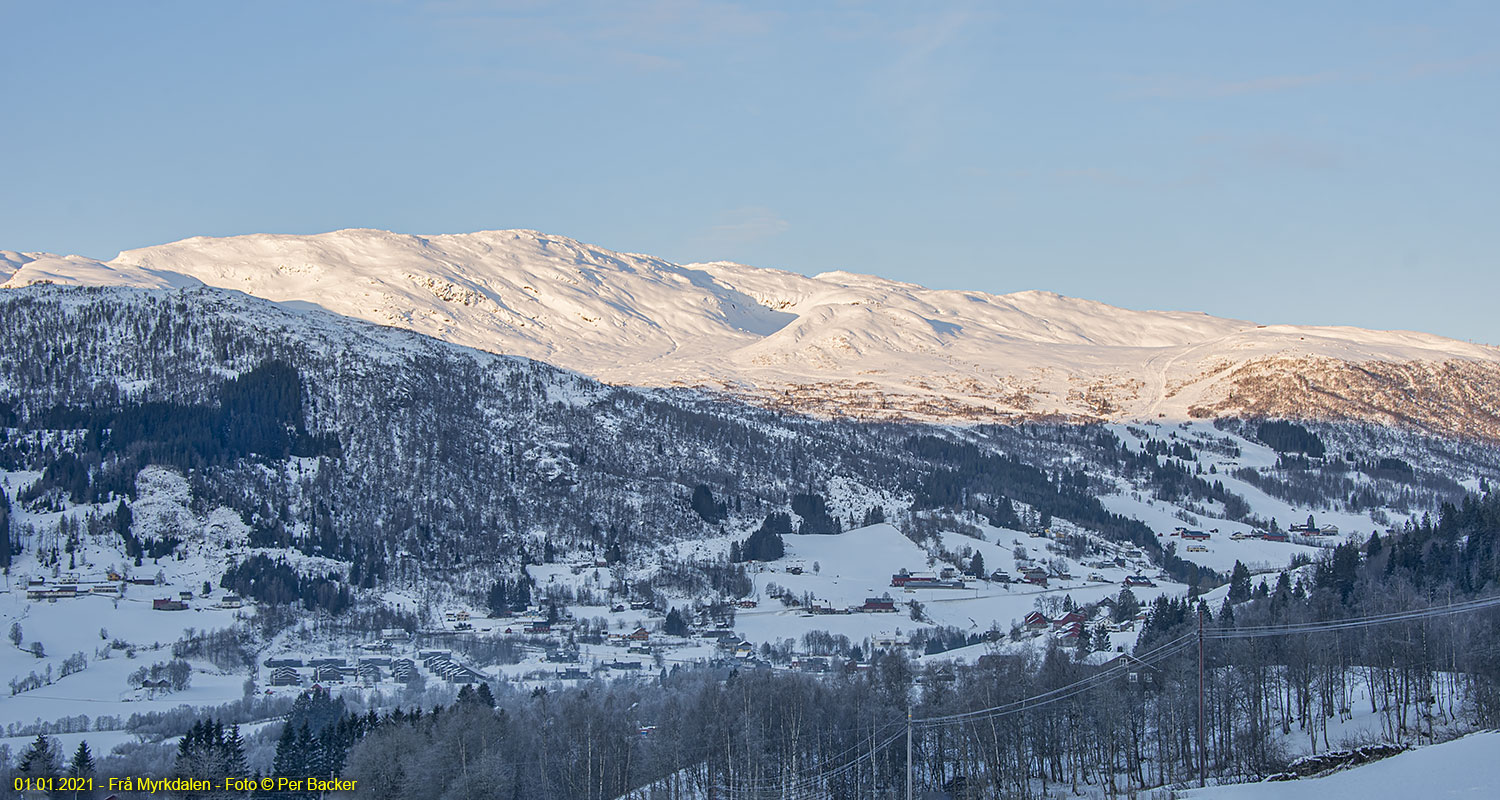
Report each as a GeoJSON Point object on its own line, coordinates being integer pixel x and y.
{"type": "Point", "coordinates": [628, 637]}
{"type": "Point", "coordinates": [1003, 608]}
{"type": "Point", "coordinates": [801, 616]}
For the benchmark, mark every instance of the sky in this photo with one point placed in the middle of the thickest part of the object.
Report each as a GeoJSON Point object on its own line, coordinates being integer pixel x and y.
{"type": "Point", "coordinates": [1282, 162]}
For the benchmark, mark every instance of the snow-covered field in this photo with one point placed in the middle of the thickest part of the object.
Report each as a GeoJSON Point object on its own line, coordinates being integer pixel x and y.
{"type": "Point", "coordinates": [858, 564]}
{"type": "Point", "coordinates": [115, 635]}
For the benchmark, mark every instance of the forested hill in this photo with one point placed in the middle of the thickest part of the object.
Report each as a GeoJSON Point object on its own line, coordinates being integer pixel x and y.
{"type": "Point", "coordinates": [1452, 558]}
{"type": "Point", "coordinates": [404, 455]}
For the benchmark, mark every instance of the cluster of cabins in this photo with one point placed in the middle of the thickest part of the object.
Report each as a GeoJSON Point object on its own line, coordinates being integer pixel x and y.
{"type": "Point", "coordinates": [39, 589]}
{"type": "Point", "coordinates": [442, 664]}
{"type": "Point", "coordinates": [181, 603]}
{"type": "Point", "coordinates": [1069, 627]}
{"type": "Point", "coordinates": [1309, 529]}
{"type": "Point", "coordinates": [950, 579]}
{"type": "Point", "coordinates": [69, 587]}
{"type": "Point", "coordinates": [1037, 576]}
{"type": "Point", "coordinates": [640, 637]}
{"type": "Point", "coordinates": [947, 579]}
{"type": "Point", "coordinates": [872, 605]}
{"type": "Point", "coordinates": [324, 671]}
{"type": "Point", "coordinates": [738, 650]}
{"type": "Point", "coordinates": [331, 670]}
{"type": "Point", "coordinates": [732, 645]}
{"type": "Point", "coordinates": [1305, 529]}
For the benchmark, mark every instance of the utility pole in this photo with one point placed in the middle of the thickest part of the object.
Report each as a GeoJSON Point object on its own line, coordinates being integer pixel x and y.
{"type": "Point", "coordinates": [908, 751]}
{"type": "Point", "coordinates": [1202, 758]}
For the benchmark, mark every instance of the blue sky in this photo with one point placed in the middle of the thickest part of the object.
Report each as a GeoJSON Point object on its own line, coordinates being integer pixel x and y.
{"type": "Point", "coordinates": [1325, 162]}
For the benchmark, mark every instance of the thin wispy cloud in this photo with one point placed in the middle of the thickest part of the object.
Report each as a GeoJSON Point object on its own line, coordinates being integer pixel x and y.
{"type": "Point", "coordinates": [669, 23]}
{"type": "Point", "coordinates": [734, 231]}
{"type": "Point", "coordinates": [1099, 176]}
{"type": "Point", "coordinates": [1179, 87]}
{"type": "Point", "coordinates": [747, 224]}
{"type": "Point", "coordinates": [1219, 156]}
{"type": "Point", "coordinates": [1293, 153]}
{"type": "Point", "coordinates": [919, 86]}
{"type": "Point", "coordinates": [1185, 88]}
{"type": "Point", "coordinates": [588, 41]}
{"type": "Point", "coordinates": [1455, 66]}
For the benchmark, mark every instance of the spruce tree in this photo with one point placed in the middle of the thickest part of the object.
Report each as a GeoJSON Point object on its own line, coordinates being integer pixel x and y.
{"type": "Point", "coordinates": [187, 746]}
{"type": "Point", "coordinates": [1239, 583]}
{"type": "Point", "coordinates": [308, 755]}
{"type": "Point", "coordinates": [323, 758]}
{"type": "Point", "coordinates": [5, 554]}
{"type": "Point", "coordinates": [82, 765]}
{"type": "Point", "coordinates": [1126, 606]}
{"type": "Point", "coordinates": [288, 761]}
{"type": "Point", "coordinates": [40, 759]}
{"type": "Point", "coordinates": [234, 751]}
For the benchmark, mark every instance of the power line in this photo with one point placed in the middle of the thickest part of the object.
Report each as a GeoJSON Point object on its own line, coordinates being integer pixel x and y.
{"type": "Point", "coordinates": [1353, 622]}
{"type": "Point", "coordinates": [1174, 646]}
{"type": "Point", "coordinates": [1056, 695]}
{"type": "Point", "coordinates": [811, 782]}
{"type": "Point", "coordinates": [1157, 654]}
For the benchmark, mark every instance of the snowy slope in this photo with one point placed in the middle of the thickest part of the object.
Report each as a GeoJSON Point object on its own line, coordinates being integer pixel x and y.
{"type": "Point", "coordinates": [836, 343]}
{"type": "Point", "coordinates": [1462, 768]}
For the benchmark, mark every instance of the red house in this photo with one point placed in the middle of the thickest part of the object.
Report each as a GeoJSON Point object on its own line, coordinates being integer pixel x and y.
{"type": "Point", "coordinates": [1037, 621]}
{"type": "Point", "coordinates": [878, 604]}
{"type": "Point", "coordinates": [1070, 618]}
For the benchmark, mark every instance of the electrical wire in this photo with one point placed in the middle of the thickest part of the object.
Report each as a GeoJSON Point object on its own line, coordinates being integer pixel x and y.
{"type": "Point", "coordinates": [1158, 654]}
{"type": "Point", "coordinates": [1352, 622]}
{"type": "Point", "coordinates": [812, 782]}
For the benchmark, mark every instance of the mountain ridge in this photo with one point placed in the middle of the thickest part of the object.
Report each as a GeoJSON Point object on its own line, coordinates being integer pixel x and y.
{"type": "Point", "coordinates": [838, 343]}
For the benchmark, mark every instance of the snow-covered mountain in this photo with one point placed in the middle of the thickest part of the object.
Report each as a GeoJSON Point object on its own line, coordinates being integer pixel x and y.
{"type": "Point", "coordinates": [836, 343]}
